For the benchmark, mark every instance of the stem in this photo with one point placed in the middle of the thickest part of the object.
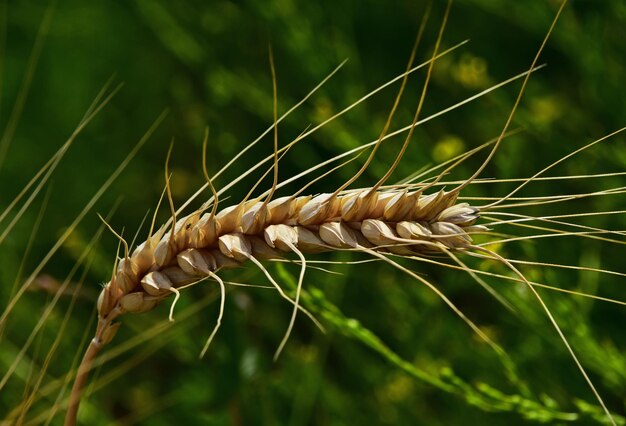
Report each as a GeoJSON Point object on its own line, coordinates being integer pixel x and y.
{"type": "Point", "coordinates": [79, 382]}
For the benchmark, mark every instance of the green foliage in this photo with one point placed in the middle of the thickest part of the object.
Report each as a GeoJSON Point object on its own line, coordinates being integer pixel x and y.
{"type": "Point", "coordinates": [393, 353]}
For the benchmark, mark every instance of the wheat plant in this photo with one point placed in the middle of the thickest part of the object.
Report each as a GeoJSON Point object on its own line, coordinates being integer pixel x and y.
{"type": "Point", "coordinates": [290, 228]}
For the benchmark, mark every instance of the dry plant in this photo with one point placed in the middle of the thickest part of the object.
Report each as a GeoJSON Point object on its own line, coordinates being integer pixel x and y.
{"type": "Point", "coordinates": [417, 219]}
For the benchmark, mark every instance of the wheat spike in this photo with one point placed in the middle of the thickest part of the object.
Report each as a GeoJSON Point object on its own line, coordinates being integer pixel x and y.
{"type": "Point", "coordinates": [201, 246]}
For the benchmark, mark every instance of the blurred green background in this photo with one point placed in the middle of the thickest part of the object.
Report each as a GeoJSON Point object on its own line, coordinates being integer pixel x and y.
{"type": "Point", "coordinates": [393, 352]}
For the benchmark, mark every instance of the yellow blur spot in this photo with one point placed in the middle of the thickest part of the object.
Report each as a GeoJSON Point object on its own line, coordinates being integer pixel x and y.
{"type": "Point", "coordinates": [545, 110]}
{"type": "Point", "coordinates": [398, 389]}
{"type": "Point", "coordinates": [181, 183]}
{"type": "Point", "coordinates": [448, 147]}
{"type": "Point", "coordinates": [471, 71]}
{"type": "Point", "coordinates": [496, 248]}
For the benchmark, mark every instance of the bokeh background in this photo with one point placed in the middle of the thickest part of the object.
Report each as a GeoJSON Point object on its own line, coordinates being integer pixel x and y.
{"type": "Point", "coordinates": [393, 353]}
